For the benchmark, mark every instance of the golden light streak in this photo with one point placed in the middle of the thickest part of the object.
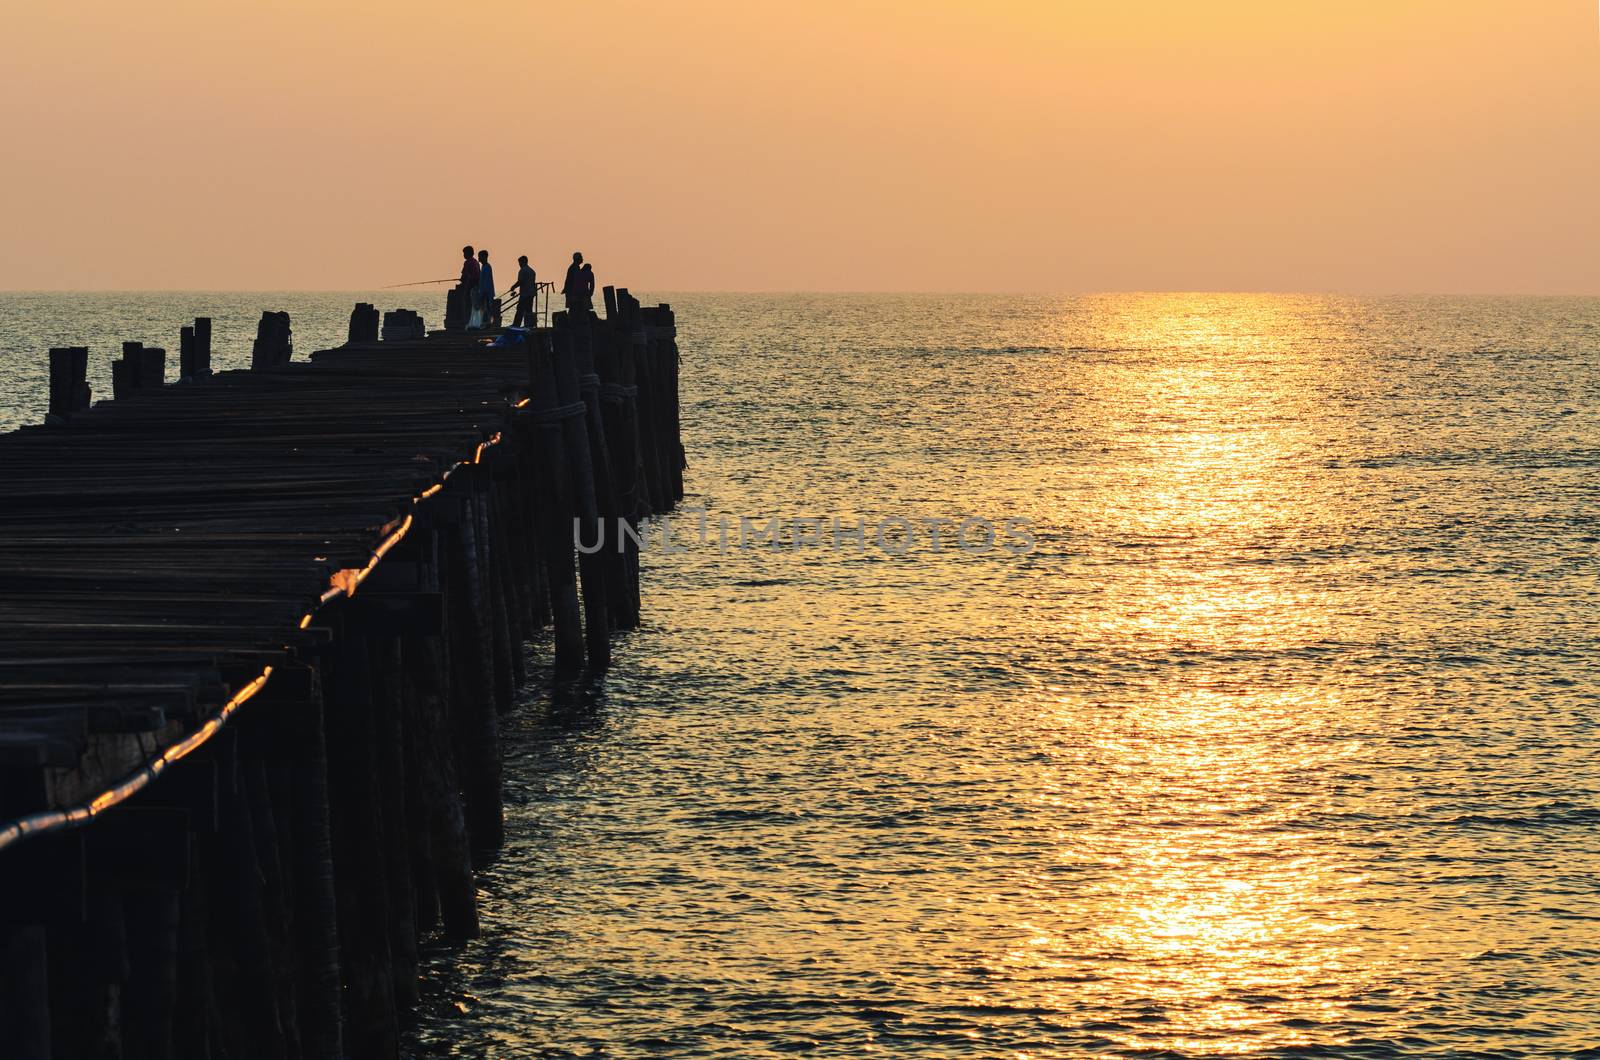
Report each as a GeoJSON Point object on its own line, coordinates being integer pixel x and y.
{"type": "Point", "coordinates": [348, 580]}
{"type": "Point", "coordinates": [76, 815]}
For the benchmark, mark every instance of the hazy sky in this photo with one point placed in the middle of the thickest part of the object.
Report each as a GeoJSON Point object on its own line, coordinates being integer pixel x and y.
{"type": "Point", "coordinates": [1363, 145]}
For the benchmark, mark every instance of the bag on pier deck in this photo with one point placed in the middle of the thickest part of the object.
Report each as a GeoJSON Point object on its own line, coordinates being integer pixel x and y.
{"type": "Point", "coordinates": [511, 337]}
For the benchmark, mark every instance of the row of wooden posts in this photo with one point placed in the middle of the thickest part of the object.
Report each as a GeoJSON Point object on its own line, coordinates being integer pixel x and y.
{"type": "Point", "coordinates": [142, 367]}
{"type": "Point", "coordinates": [266, 895]}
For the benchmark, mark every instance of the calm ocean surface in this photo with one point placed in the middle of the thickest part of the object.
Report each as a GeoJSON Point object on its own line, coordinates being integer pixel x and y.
{"type": "Point", "coordinates": [1281, 742]}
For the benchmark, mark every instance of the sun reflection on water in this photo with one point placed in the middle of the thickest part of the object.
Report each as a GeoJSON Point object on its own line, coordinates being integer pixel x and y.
{"type": "Point", "coordinates": [1225, 919]}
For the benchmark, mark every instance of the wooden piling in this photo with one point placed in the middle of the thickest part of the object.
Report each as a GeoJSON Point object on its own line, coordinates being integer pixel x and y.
{"type": "Point", "coordinates": [186, 353]}
{"type": "Point", "coordinates": [125, 373]}
{"type": "Point", "coordinates": [69, 386]}
{"type": "Point", "coordinates": [581, 473]}
{"type": "Point", "coordinates": [394, 783]}
{"type": "Point", "coordinates": [364, 323]}
{"type": "Point", "coordinates": [472, 706]}
{"type": "Point", "coordinates": [361, 874]}
{"type": "Point", "coordinates": [297, 764]}
{"type": "Point", "coordinates": [456, 309]}
{"type": "Point", "coordinates": [554, 487]}
{"type": "Point", "coordinates": [401, 325]}
{"type": "Point", "coordinates": [25, 986]}
{"type": "Point", "coordinates": [202, 347]}
{"type": "Point", "coordinates": [274, 344]}
{"type": "Point", "coordinates": [147, 851]}
{"type": "Point", "coordinates": [152, 368]}
{"type": "Point", "coordinates": [89, 967]}
{"type": "Point", "coordinates": [267, 824]}
{"type": "Point", "coordinates": [595, 362]}
{"type": "Point", "coordinates": [665, 326]}
{"type": "Point", "coordinates": [449, 851]}
{"type": "Point", "coordinates": [239, 932]}
{"type": "Point", "coordinates": [619, 395]}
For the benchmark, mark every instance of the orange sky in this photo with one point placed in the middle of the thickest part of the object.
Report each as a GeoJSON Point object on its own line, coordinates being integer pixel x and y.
{"type": "Point", "coordinates": [1363, 145]}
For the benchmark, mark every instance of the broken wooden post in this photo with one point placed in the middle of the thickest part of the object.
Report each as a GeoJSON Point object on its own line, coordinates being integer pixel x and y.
{"type": "Point", "coordinates": [672, 426]}
{"type": "Point", "coordinates": [152, 370]}
{"type": "Point", "coordinates": [186, 353]}
{"type": "Point", "coordinates": [364, 323]}
{"type": "Point", "coordinates": [69, 387]}
{"type": "Point", "coordinates": [456, 309]}
{"type": "Point", "coordinates": [403, 324]}
{"type": "Point", "coordinates": [202, 346]}
{"type": "Point", "coordinates": [141, 368]}
{"type": "Point", "coordinates": [274, 344]}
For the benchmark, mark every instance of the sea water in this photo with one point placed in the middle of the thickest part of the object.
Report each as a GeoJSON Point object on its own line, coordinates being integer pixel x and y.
{"type": "Point", "coordinates": [1277, 739]}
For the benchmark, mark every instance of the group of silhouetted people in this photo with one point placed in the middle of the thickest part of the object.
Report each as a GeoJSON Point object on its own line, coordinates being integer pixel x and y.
{"type": "Point", "coordinates": [483, 303]}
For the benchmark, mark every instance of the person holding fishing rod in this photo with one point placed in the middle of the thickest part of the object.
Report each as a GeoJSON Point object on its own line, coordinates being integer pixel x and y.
{"type": "Point", "coordinates": [471, 273]}
{"type": "Point", "coordinates": [526, 287]}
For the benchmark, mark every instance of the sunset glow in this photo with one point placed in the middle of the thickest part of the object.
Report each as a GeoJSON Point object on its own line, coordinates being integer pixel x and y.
{"type": "Point", "coordinates": [1448, 145]}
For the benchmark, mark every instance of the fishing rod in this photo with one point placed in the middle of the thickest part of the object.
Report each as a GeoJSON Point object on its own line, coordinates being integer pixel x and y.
{"type": "Point", "coordinates": [419, 283]}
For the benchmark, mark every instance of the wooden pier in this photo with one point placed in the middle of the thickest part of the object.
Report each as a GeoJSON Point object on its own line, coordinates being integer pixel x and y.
{"type": "Point", "coordinates": [257, 629]}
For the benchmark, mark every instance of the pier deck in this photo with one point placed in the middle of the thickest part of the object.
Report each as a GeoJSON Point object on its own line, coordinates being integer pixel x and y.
{"type": "Point", "coordinates": [255, 633]}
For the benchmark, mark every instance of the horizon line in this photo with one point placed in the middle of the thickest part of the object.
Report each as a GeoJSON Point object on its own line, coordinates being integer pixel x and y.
{"type": "Point", "coordinates": [922, 292]}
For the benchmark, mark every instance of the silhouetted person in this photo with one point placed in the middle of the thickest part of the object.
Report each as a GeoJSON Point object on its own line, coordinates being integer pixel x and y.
{"type": "Point", "coordinates": [491, 304]}
{"type": "Point", "coordinates": [527, 288]}
{"type": "Point", "coordinates": [588, 286]}
{"type": "Point", "coordinates": [576, 289]}
{"type": "Point", "coordinates": [469, 289]}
